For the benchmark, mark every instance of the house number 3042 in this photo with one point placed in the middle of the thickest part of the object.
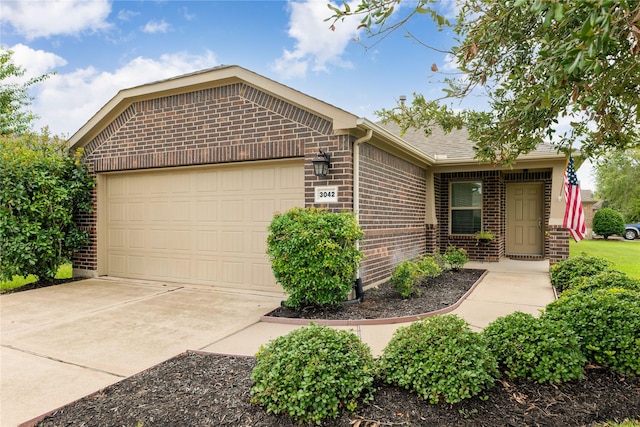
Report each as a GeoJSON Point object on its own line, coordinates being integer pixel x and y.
{"type": "Point", "coordinates": [326, 195]}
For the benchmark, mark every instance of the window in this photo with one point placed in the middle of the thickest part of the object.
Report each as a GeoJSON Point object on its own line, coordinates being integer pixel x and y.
{"type": "Point", "coordinates": [465, 207]}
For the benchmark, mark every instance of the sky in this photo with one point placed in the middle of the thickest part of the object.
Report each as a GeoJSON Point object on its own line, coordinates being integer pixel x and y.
{"type": "Point", "coordinates": [98, 47]}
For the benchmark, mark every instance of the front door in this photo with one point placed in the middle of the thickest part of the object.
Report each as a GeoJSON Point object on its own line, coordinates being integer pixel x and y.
{"type": "Point", "coordinates": [525, 219]}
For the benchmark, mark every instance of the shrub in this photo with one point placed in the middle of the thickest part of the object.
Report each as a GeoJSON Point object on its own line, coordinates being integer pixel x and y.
{"type": "Point", "coordinates": [535, 349]}
{"type": "Point", "coordinates": [564, 273]}
{"type": "Point", "coordinates": [408, 275]}
{"type": "Point", "coordinates": [314, 256]}
{"type": "Point", "coordinates": [455, 258]}
{"type": "Point", "coordinates": [604, 280]}
{"type": "Point", "coordinates": [439, 358]}
{"type": "Point", "coordinates": [42, 188]}
{"type": "Point", "coordinates": [608, 323]}
{"type": "Point", "coordinates": [607, 222]}
{"type": "Point", "coordinates": [312, 372]}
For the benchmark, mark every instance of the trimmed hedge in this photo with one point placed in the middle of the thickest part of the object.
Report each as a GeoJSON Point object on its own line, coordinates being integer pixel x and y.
{"type": "Point", "coordinates": [312, 372]}
{"type": "Point", "coordinates": [535, 348]}
{"type": "Point", "coordinates": [608, 324]}
{"type": "Point", "coordinates": [314, 256]}
{"type": "Point", "coordinates": [440, 358]}
{"type": "Point", "coordinates": [568, 273]}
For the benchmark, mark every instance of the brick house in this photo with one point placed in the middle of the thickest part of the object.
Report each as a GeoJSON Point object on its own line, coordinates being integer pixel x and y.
{"type": "Point", "coordinates": [190, 171]}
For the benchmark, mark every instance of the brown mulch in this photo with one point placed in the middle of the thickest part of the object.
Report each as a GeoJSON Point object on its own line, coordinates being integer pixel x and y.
{"type": "Point", "coordinates": [212, 390]}
{"type": "Point", "coordinates": [385, 302]}
{"type": "Point", "coordinates": [198, 389]}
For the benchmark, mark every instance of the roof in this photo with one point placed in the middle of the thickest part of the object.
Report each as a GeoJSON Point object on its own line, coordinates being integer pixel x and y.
{"type": "Point", "coordinates": [454, 145]}
{"type": "Point", "coordinates": [437, 149]}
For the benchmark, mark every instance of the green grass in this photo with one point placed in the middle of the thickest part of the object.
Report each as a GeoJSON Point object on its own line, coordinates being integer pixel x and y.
{"type": "Point", "coordinates": [64, 272]}
{"type": "Point", "coordinates": [622, 254]}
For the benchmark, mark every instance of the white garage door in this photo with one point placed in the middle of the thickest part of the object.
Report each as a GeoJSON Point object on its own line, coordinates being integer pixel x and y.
{"type": "Point", "coordinates": [199, 225]}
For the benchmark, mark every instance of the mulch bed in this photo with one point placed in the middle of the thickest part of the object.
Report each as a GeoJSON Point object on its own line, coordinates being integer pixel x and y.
{"type": "Point", "coordinates": [199, 389]}
{"type": "Point", "coordinates": [385, 302]}
{"type": "Point", "coordinates": [212, 390]}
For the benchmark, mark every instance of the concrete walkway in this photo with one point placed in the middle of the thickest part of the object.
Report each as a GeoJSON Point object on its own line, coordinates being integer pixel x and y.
{"type": "Point", "coordinates": [61, 343]}
{"type": "Point", "coordinates": [509, 286]}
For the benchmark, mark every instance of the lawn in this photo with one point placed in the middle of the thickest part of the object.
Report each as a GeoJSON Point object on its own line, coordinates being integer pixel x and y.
{"type": "Point", "coordinates": [624, 255]}
{"type": "Point", "coordinates": [64, 272]}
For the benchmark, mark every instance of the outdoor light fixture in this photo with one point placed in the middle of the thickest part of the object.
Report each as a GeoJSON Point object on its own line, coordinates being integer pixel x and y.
{"type": "Point", "coordinates": [321, 164]}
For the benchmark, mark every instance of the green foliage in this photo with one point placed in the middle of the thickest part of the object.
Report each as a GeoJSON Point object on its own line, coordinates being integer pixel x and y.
{"type": "Point", "coordinates": [14, 96]}
{"type": "Point", "coordinates": [535, 349]}
{"type": "Point", "coordinates": [604, 280]}
{"type": "Point", "coordinates": [617, 178]}
{"type": "Point", "coordinates": [408, 275]}
{"type": "Point", "coordinates": [537, 62]}
{"type": "Point", "coordinates": [312, 372]}
{"type": "Point", "coordinates": [314, 256]}
{"type": "Point", "coordinates": [608, 323]}
{"type": "Point", "coordinates": [455, 258]}
{"type": "Point", "coordinates": [565, 273]}
{"type": "Point", "coordinates": [440, 358]}
{"type": "Point", "coordinates": [607, 222]}
{"type": "Point", "coordinates": [42, 187]}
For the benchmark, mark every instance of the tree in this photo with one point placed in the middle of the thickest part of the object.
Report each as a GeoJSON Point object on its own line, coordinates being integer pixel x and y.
{"type": "Point", "coordinates": [607, 222]}
{"type": "Point", "coordinates": [42, 188]}
{"type": "Point", "coordinates": [539, 62]}
{"type": "Point", "coordinates": [14, 97]}
{"type": "Point", "coordinates": [617, 178]}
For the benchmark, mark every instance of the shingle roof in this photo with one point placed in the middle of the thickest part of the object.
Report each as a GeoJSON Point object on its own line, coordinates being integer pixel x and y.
{"type": "Point", "coordinates": [453, 145]}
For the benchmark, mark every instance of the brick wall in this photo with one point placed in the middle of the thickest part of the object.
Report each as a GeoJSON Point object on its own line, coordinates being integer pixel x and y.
{"type": "Point", "coordinates": [558, 238]}
{"type": "Point", "coordinates": [494, 203]}
{"type": "Point", "coordinates": [493, 206]}
{"type": "Point", "coordinates": [392, 212]}
{"type": "Point", "coordinates": [232, 123]}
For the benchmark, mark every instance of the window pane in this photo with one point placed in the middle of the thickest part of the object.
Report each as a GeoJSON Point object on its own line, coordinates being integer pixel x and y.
{"type": "Point", "coordinates": [467, 221]}
{"type": "Point", "coordinates": [466, 194]}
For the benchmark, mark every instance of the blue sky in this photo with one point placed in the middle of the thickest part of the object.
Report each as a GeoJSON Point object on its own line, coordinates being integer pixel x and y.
{"type": "Point", "coordinates": [98, 47]}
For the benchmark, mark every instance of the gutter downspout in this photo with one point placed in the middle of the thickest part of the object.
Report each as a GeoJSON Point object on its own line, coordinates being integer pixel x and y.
{"type": "Point", "coordinates": [356, 197]}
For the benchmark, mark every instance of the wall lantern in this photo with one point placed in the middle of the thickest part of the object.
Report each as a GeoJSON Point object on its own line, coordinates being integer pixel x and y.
{"type": "Point", "coordinates": [321, 164]}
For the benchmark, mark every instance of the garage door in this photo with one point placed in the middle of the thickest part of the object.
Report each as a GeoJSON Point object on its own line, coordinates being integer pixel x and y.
{"type": "Point", "coordinates": [199, 225]}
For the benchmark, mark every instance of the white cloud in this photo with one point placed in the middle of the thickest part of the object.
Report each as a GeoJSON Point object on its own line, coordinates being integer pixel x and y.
{"type": "Point", "coordinates": [153, 27]}
{"type": "Point", "coordinates": [316, 46]}
{"type": "Point", "coordinates": [35, 62]}
{"type": "Point", "coordinates": [33, 19]}
{"type": "Point", "coordinates": [67, 101]}
{"type": "Point", "coordinates": [126, 15]}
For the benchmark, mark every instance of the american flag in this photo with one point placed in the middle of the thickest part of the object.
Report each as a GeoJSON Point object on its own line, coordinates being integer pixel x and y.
{"type": "Point", "coordinates": [573, 214]}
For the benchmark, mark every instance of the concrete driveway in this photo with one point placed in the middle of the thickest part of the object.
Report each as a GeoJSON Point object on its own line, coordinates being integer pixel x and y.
{"type": "Point", "coordinates": [60, 343]}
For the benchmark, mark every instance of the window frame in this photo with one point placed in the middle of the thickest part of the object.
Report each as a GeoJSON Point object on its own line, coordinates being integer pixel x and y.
{"type": "Point", "coordinates": [465, 208]}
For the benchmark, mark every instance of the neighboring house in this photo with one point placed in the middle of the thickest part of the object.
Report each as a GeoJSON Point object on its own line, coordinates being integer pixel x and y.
{"type": "Point", "coordinates": [588, 207]}
{"type": "Point", "coordinates": [190, 171]}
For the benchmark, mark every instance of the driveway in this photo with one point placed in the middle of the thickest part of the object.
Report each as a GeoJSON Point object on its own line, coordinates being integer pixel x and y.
{"type": "Point", "coordinates": [60, 343]}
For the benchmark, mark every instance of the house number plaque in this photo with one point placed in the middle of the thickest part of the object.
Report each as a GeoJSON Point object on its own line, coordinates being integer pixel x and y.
{"type": "Point", "coordinates": [326, 195]}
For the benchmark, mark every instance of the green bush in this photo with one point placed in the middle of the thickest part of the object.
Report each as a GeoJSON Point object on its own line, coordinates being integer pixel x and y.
{"type": "Point", "coordinates": [42, 188]}
{"type": "Point", "coordinates": [314, 256]}
{"type": "Point", "coordinates": [607, 222]}
{"type": "Point", "coordinates": [312, 372]}
{"type": "Point", "coordinates": [455, 258]}
{"type": "Point", "coordinates": [565, 273]}
{"type": "Point", "coordinates": [604, 280]}
{"type": "Point", "coordinates": [608, 323]}
{"type": "Point", "coordinates": [537, 349]}
{"type": "Point", "coordinates": [439, 358]}
{"type": "Point", "coordinates": [408, 275]}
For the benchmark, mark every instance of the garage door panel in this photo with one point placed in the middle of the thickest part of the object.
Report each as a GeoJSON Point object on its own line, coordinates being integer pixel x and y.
{"type": "Point", "coordinates": [208, 241]}
{"type": "Point", "coordinates": [201, 225]}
